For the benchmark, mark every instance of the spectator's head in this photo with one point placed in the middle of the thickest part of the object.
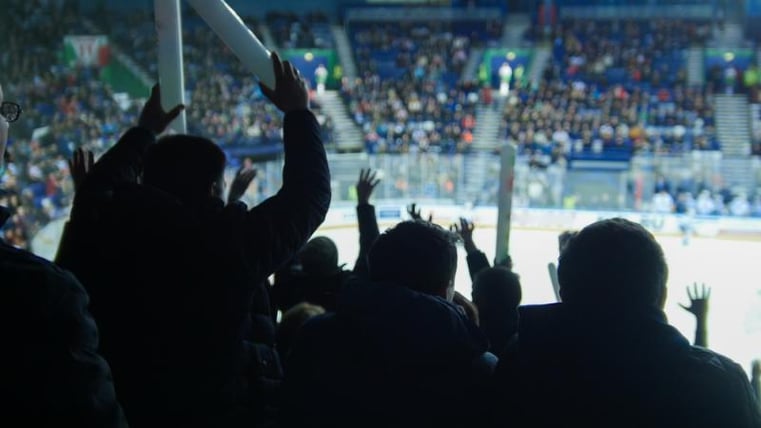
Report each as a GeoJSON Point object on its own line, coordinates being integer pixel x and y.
{"type": "Point", "coordinates": [416, 254]}
{"type": "Point", "coordinates": [497, 285]}
{"type": "Point", "coordinates": [293, 320]}
{"type": "Point", "coordinates": [319, 257]}
{"type": "Point", "coordinates": [186, 166]}
{"type": "Point", "coordinates": [497, 294]}
{"type": "Point", "coordinates": [613, 262]}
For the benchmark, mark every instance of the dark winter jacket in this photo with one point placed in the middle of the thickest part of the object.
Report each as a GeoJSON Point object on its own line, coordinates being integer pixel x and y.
{"type": "Point", "coordinates": [172, 286]}
{"type": "Point", "coordinates": [389, 357]}
{"type": "Point", "coordinates": [608, 367]}
{"type": "Point", "coordinates": [52, 375]}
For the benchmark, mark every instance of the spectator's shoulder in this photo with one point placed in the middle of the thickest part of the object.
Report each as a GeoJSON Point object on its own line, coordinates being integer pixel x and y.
{"type": "Point", "coordinates": [29, 273]}
{"type": "Point", "coordinates": [16, 261]}
{"type": "Point", "coordinates": [720, 371]}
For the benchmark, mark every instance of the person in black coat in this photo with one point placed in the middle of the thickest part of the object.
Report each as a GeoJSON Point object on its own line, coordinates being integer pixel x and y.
{"type": "Point", "coordinates": [496, 291]}
{"type": "Point", "coordinates": [171, 269]}
{"type": "Point", "coordinates": [397, 351]}
{"type": "Point", "coordinates": [314, 276]}
{"type": "Point", "coordinates": [606, 355]}
{"type": "Point", "coordinates": [52, 374]}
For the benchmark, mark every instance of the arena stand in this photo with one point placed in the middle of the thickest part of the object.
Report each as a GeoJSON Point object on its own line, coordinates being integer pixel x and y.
{"type": "Point", "coordinates": [410, 95]}
{"type": "Point", "coordinates": [64, 107]}
{"type": "Point", "coordinates": [422, 142]}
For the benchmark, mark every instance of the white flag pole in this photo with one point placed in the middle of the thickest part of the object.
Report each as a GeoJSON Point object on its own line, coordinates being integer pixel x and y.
{"type": "Point", "coordinates": [505, 201]}
{"type": "Point", "coordinates": [171, 72]}
{"type": "Point", "coordinates": [242, 41]}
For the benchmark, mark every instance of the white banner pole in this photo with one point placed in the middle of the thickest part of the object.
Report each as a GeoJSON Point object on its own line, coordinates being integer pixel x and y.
{"type": "Point", "coordinates": [242, 41]}
{"type": "Point", "coordinates": [505, 201]}
{"type": "Point", "coordinates": [171, 72]}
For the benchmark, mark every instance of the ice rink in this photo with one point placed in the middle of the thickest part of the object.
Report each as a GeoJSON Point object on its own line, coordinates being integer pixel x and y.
{"type": "Point", "coordinates": [732, 268]}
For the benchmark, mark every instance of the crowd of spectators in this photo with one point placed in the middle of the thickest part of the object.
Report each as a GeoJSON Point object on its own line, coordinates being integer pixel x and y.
{"type": "Point", "coordinates": [403, 116]}
{"type": "Point", "coordinates": [385, 343]}
{"type": "Point", "coordinates": [410, 96]}
{"type": "Point", "coordinates": [615, 87]}
{"type": "Point", "coordinates": [64, 107]}
{"type": "Point", "coordinates": [562, 119]}
{"type": "Point", "coordinates": [158, 309]}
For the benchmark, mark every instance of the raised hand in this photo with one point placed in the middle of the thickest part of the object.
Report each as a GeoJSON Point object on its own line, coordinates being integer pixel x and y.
{"type": "Point", "coordinates": [79, 165]}
{"type": "Point", "coordinates": [414, 212]}
{"type": "Point", "coordinates": [290, 92]}
{"type": "Point", "coordinates": [698, 300]}
{"type": "Point", "coordinates": [153, 117]}
{"type": "Point", "coordinates": [506, 262]}
{"type": "Point", "coordinates": [365, 185]}
{"type": "Point", "coordinates": [699, 307]}
{"type": "Point", "coordinates": [465, 231]}
{"type": "Point", "coordinates": [242, 180]}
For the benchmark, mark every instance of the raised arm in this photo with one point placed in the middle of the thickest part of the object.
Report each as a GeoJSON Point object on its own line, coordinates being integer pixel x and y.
{"type": "Point", "coordinates": [368, 223]}
{"type": "Point", "coordinates": [80, 165]}
{"type": "Point", "coordinates": [281, 225]}
{"type": "Point", "coordinates": [699, 307]}
{"type": "Point", "coordinates": [477, 260]}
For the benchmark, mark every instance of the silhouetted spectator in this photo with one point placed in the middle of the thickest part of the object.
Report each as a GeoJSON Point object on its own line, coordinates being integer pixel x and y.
{"type": "Point", "coordinates": [397, 348]}
{"type": "Point", "coordinates": [606, 356]}
{"type": "Point", "coordinates": [497, 294]}
{"type": "Point", "coordinates": [366, 219]}
{"type": "Point", "coordinates": [313, 276]}
{"type": "Point", "coordinates": [52, 372]}
{"type": "Point", "coordinates": [172, 270]}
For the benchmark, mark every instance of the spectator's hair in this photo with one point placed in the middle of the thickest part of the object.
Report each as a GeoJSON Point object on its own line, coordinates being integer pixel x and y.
{"type": "Point", "coordinates": [185, 166]}
{"type": "Point", "coordinates": [610, 261]}
{"type": "Point", "coordinates": [497, 287]}
{"type": "Point", "coordinates": [319, 256]}
{"type": "Point", "coordinates": [292, 321]}
{"type": "Point", "coordinates": [416, 254]}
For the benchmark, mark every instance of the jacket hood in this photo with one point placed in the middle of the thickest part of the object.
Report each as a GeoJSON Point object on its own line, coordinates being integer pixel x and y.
{"type": "Point", "coordinates": [402, 325]}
